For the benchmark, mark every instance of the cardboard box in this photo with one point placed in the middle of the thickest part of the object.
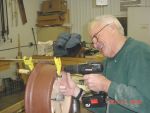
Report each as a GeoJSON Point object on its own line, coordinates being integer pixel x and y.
{"type": "Point", "coordinates": [58, 5]}
{"type": "Point", "coordinates": [45, 6]}
{"type": "Point", "coordinates": [54, 5]}
{"type": "Point", "coordinates": [50, 23]}
{"type": "Point", "coordinates": [51, 17]}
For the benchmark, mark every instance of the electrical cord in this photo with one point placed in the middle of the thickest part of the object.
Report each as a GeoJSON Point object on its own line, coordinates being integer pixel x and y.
{"type": "Point", "coordinates": [30, 45]}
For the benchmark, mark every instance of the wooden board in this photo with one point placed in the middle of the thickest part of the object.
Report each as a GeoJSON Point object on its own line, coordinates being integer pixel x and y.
{"type": "Point", "coordinates": [22, 11]}
{"type": "Point", "coordinates": [4, 66]}
{"type": "Point", "coordinates": [72, 60]}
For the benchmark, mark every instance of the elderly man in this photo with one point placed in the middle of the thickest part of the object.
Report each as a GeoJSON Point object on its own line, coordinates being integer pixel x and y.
{"type": "Point", "coordinates": [126, 73]}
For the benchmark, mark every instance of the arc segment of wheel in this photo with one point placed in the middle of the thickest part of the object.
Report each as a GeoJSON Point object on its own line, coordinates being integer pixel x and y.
{"type": "Point", "coordinates": [39, 89]}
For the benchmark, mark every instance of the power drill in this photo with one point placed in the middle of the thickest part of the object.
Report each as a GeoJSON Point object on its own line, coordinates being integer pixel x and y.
{"type": "Point", "coordinates": [93, 99]}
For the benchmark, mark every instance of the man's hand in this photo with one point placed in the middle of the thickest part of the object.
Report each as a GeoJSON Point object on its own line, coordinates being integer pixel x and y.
{"type": "Point", "coordinates": [67, 86]}
{"type": "Point", "coordinates": [97, 82]}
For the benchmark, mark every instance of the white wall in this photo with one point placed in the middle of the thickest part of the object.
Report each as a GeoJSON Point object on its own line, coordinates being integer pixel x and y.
{"type": "Point", "coordinates": [25, 31]}
{"type": "Point", "coordinates": [139, 23]}
{"type": "Point", "coordinates": [82, 11]}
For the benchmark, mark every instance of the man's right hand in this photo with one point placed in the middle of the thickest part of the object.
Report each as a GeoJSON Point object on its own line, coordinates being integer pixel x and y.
{"type": "Point", "coordinates": [67, 86]}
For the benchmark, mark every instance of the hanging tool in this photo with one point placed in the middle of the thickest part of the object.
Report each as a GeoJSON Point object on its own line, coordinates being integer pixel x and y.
{"type": "Point", "coordinates": [19, 55]}
{"type": "Point", "coordinates": [34, 39]}
{"type": "Point", "coordinates": [7, 26]}
{"type": "Point", "coordinates": [16, 12]}
{"type": "Point", "coordinates": [13, 4]}
{"type": "Point", "coordinates": [0, 20]}
{"type": "Point", "coordinates": [4, 19]}
{"type": "Point", "coordinates": [2, 11]}
{"type": "Point", "coordinates": [12, 10]}
{"type": "Point", "coordinates": [22, 11]}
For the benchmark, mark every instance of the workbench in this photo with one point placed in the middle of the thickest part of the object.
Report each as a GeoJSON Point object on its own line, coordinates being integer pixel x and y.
{"type": "Point", "coordinates": [15, 102]}
{"type": "Point", "coordinates": [71, 60]}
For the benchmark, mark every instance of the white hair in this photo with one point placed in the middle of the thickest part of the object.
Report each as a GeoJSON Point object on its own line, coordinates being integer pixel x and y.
{"type": "Point", "coordinates": [108, 19]}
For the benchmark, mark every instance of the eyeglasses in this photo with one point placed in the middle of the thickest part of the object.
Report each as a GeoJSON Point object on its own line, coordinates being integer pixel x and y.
{"type": "Point", "coordinates": [95, 38]}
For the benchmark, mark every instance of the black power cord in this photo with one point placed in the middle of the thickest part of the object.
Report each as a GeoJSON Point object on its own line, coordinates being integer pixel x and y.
{"type": "Point", "coordinates": [29, 45]}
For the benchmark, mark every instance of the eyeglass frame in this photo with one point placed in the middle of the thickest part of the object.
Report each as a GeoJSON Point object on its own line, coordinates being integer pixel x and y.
{"type": "Point", "coordinates": [95, 35]}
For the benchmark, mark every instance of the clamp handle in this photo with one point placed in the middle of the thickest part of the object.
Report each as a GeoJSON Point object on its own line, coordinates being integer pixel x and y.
{"type": "Point", "coordinates": [28, 62]}
{"type": "Point", "coordinates": [58, 64]}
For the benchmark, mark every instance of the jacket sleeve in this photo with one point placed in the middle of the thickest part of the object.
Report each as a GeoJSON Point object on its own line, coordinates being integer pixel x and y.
{"type": "Point", "coordinates": [137, 92]}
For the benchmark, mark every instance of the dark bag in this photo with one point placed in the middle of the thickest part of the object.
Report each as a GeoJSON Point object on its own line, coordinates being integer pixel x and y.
{"type": "Point", "coordinates": [67, 45]}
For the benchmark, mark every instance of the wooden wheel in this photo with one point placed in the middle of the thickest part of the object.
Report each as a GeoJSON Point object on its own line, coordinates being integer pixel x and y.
{"type": "Point", "coordinates": [41, 87]}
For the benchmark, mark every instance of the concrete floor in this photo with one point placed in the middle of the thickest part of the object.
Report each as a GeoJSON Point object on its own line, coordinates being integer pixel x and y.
{"type": "Point", "coordinates": [7, 101]}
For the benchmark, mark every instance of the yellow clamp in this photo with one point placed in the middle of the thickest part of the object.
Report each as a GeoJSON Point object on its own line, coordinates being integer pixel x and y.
{"type": "Point", "coordinates": [28, 62]}
{"type": "Point", "coordinates": [58, 65]}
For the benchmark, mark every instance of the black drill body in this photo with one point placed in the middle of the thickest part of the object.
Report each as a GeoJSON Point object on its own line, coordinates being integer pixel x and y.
{"type": "Point", "coordinates": [93, 99]}
{"type": "Point", "coordinates": [84, 68]}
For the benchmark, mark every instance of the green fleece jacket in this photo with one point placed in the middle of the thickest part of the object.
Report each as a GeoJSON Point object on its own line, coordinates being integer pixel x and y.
{"type": "Point", "coordinates": [129, 72]}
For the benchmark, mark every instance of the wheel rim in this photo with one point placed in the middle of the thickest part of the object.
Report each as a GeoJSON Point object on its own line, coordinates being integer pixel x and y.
{"type": "Point", "coordinates": [41, 87]}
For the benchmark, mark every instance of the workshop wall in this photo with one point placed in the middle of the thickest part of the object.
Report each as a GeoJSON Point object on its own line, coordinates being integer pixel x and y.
{"type": "Point", "coordinates": [17, 29]}
{"type": "Point", "coordinates": [23, 30]}
{"type": "Point", "coordinates": [82, 11]}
